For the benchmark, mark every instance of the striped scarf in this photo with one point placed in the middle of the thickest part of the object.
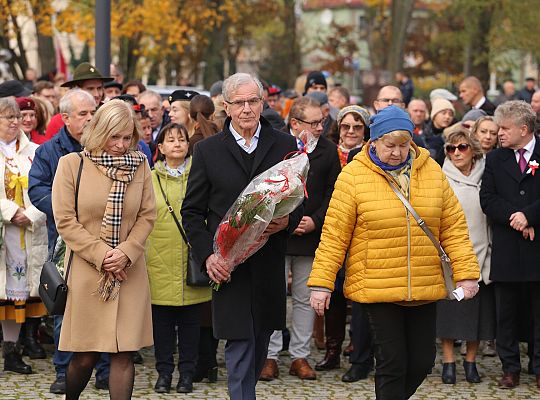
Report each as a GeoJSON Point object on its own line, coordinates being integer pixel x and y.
{"type": "Point", "coordinates": [121, 169]}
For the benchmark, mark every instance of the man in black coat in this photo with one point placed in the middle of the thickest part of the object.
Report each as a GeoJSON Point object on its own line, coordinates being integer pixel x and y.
{"type": "Point", "coordinates": [471, 93]}
{"type": "Point", "coordinates": [510, 197]}
{"type": "Point", "coordinates": [324, 167]}
{"type": "Point", "coordinates": [250, 304]}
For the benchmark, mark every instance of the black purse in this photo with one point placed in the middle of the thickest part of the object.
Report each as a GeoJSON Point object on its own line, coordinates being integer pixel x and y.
{"type": "Point", "coordinates": [195, 275]}
{"type": "Point", "coordinates": [53, 287]}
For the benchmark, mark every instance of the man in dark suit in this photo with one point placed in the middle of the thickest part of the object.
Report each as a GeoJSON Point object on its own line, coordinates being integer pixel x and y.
{"type": "Point", "coordinates": [471, 93]}
{"type": "Point", "coordinates": [324, 167]}
{"type": "Point", "coordinates": [510, 197]}
{"type": "Point", "coordinates": [250, 304]}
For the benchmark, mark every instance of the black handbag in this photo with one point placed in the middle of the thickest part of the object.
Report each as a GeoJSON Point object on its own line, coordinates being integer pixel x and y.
{"type": "Point", "coordinates": [195, 275]}
{"type": "Point", "coordinates": [53, 287]}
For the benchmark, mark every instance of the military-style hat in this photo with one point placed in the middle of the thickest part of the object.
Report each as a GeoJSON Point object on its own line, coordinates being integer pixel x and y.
{"type": "Point", "coordinates": [185, 95]}
{"type": "Point", "coordinates": [25, 103]}
{"type": "Point", "coordinates": [85, 72]}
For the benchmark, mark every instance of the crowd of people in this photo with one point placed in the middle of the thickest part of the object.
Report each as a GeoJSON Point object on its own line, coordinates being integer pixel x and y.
{"type": "Point", "coordinates": [126, 189]}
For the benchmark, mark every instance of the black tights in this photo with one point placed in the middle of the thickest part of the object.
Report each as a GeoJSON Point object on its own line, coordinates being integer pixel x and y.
{"type": "Point", "coordinates": [121, 376]}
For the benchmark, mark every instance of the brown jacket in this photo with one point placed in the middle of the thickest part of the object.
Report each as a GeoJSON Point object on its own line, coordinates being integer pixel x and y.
{"type": "Point", "coordinates": [90, 324]}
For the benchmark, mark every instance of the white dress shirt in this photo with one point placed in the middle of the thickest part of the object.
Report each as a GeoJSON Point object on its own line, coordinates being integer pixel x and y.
{"type": "Point", "coordinates": [242, 142]}
{"type": "Point", "coordinates": [529, 148]}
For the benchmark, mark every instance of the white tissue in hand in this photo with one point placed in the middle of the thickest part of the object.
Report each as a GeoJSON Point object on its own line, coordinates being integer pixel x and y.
{"type": "Point", "coordinates": [458, 294]}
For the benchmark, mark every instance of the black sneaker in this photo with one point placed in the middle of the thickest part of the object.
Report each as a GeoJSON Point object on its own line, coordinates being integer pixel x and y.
{"type": "Point", "coordinates": [59, 385]}
{"type": "Point", "coordinates": [102, 383]}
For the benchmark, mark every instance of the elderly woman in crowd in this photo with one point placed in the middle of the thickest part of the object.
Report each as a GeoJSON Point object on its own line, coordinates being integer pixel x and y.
{"type": "Point", "coordinates": [108, 305]}
{"type": "Point", "coordinates": [392, 267]}
{"type": "Point", "coordinates": [174, 303]}
{"type": "Point", "coordinates": [352, 124]}
{"type": "Point", "coordinates": [485, 131]}
{"type": "Point", "coordinates": [24, 248]}
{"type": "Point", "coordinates": [472, 320]}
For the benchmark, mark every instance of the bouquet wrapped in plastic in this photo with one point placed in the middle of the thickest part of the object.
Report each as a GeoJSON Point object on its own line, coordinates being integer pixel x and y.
{"type": "Point", "coordinates": [272, 194]}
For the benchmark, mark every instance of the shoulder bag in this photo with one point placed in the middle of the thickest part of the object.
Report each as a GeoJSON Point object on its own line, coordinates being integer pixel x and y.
{"type": "Point", "coordinates": [53, 287]}
{"type": "Point", "coordinates": [445, 260]}
{"type": "Point", "coordinates": [195, 276]}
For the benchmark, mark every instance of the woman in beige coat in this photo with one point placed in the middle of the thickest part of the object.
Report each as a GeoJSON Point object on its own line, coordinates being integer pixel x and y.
{"type": "Point", "coordinates": [108, 305]}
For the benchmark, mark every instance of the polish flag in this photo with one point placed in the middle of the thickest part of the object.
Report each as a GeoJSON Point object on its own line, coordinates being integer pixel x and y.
{"type": "Point", "coordinates": [61, 65]}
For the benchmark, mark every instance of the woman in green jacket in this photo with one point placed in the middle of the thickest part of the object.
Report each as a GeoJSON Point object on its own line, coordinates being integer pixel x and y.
{"type": "Point", "coordinates": [174, 303]}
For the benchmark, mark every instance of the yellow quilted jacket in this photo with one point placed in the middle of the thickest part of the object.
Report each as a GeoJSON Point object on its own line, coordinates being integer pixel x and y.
{"type": "Point", "coordinates": [390, 259]}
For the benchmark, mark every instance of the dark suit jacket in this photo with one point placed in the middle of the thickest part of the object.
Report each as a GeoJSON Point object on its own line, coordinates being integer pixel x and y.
{"type": "Point", "coordinates": [504, 191]}
{"type": "Point", "coordinates": [324, 167]}
{"type": "Point", "coordinates": [488, 107]}
{"type": "Point", "coordinates": [218, 175]}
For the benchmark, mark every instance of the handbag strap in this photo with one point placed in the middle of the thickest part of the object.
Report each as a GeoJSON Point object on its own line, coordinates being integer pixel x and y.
{"type": "Point", "coordinates": [419, 221]}
{"type": "Point", "coordinates": [76, 210]}
{"type": "Point", "coordinates": [171, 210]}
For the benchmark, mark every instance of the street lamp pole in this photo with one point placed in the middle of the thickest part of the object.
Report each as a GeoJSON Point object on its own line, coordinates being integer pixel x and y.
{"type": "Point", "coordinates": [103, 36]}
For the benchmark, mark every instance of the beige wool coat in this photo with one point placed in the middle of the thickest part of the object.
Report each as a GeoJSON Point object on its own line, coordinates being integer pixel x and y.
{"type": "Point", "coordinates": [90, 324]}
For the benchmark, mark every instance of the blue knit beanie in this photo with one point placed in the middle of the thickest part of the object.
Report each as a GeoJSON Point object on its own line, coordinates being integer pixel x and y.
{"type": "Point", "coordinates": [389, 119]}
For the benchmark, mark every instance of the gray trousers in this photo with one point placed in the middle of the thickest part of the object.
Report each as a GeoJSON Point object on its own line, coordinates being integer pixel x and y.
{"type": "Point", "coordinates": [245, 360]}
{"type": "Point", "coordinates": [302, 313]}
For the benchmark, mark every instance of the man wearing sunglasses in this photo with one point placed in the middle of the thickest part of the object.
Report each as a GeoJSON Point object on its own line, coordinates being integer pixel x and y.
{"type": "Point", "coordinates": [510, 197]}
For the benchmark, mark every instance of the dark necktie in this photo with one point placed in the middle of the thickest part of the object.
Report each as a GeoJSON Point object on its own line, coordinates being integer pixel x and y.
{"type": "Point", "coordinates": [522, 162]}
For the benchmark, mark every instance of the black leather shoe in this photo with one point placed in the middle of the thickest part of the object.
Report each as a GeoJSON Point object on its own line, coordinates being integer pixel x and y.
{"type": "Point", "coordinates": [356, 373]}
{"type": "Point", "coordinates": [13, 360]}
{"type": "Point", "coordinates": [163, 384]}
{"type": "Point", "coordinates": [185, 384]}
{"type": "Point", "coordinates": [102, 383]}
{"type": "Point", "coordinates": [471, 373]}
{"type": "Point", "coordinates": [208, 373]}
{"type": "Point", "coordinates": [59, 385]}
{"type": "Point", "coordinates": [137, 358]}
{"type": "Point", "coordinates": [449, 373]}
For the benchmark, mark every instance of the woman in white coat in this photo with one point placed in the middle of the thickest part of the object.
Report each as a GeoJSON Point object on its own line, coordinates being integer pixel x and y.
{"type": "Point", "coordinates": [24, 248]}
{"type": "Point", "coordinates": [471, 320]}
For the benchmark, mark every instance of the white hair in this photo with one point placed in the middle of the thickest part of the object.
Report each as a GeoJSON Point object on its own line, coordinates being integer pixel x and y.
{"type": "Point", "coordinates": [233, 82]}
{"type": "Point", "coordinates": [66, 102]}
{"type": "Point", "coordinates": [150, 93]}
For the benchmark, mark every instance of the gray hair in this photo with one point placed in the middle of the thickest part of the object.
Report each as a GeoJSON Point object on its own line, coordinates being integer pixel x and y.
{"type": "Point", "coordinates": [66, 102]}
{"type": "Point", "coordinates": [233, 82]}
{"type": "Point", "coordinates": [150, 93]}
{"type": "Point", "coordinates": [9, 104]}
{"type": "Point", "coordinates": [520, 112]}
{"type": "Point", "coordinates": [454, 133]}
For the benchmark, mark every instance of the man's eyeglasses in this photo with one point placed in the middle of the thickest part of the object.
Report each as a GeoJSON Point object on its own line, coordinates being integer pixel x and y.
{"type": "Point", "coordinates": [451, 149]}
{"type": "Point", "coordinates": [242, 103]}
{"type": "Point", "coordinates": [390, 101]}
{"type": "Point", "coordinates": [12, 118]}
{"type": "Point", "coordinates": [355, 128]}
{"type": "Point", "coordinates": [313, 124]}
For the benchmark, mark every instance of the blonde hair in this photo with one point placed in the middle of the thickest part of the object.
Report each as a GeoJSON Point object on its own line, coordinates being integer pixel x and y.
{"type": "Point", "coordinates": [113, 117]}
{"type": "Point", "coordinates": [403, 136]}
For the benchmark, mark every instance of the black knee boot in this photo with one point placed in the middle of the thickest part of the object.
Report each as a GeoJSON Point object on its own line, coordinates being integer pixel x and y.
{"type": "Point", "coordinates": [31, 346]}
{"type": "Point", "coordinates": [13, 359]}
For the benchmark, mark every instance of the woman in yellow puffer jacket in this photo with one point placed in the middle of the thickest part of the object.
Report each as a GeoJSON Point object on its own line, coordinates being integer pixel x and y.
{"type": "Point", "coordinates": [392, 267]}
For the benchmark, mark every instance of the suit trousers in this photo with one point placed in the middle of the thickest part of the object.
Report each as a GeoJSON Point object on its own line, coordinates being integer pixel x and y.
{"type": "Point", "coordinates": [165, 321]}
{"type": "Point", "coordinates": [302, 314]}
{"type": "Point", "coordinates": [404, 347]}
{"type": "Point", "coordinates": [244, 359]}
{"type": "Point", "coordinates": [510, 309]}
{"type": "Point", "coordinates": [362, 353]}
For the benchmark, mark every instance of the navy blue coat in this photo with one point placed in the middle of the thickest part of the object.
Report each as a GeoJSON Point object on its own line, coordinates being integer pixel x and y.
{"type": "Point", "coordinates": [42, 173]}
{"type": "Point", "coordinates": [505, 190]}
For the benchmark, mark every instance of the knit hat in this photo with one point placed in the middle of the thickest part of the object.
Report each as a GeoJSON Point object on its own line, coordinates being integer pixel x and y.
{"type": "Point", "coordinates": [361, 111]}
{"type": "Point", "coordinates": [26, 103]}
{"type": "Point", "coordinates": [439, 105]}
{"type": "Point", "coordinates": [315, 78]}
{"type": "Point", "coordinates": [473, 115]}
{"type": "Point", "coordinates": [389, 119]}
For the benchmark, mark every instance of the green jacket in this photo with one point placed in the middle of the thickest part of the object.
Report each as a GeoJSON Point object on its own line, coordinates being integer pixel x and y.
{"type": "Point", "coordinates": [166, 251]}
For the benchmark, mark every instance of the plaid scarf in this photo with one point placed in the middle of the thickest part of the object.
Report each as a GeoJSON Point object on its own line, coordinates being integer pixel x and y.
{"type": "Point", "coordinates": [121, 169]}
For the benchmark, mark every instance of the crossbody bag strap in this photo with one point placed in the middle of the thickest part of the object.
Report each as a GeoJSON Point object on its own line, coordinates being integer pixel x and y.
{"type": "Point", "coordinates": [171, 210]}
{"type": "Point", "coordinates": [76, 210]}
{"type": "Point", "coordinates": [419, 220]}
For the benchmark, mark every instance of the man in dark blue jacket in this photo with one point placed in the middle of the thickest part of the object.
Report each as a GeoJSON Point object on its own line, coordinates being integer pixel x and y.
{"type": "Point", "coordinates": [76, 108]}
